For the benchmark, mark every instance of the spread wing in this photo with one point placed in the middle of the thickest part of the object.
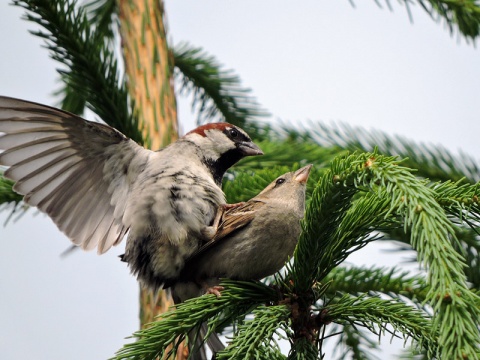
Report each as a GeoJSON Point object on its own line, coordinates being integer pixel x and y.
{"type": "Point", "coordinates": [78, 172]}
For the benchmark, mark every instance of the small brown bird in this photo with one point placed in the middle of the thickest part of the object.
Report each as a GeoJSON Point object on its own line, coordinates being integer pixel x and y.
{"type": "Point", "coordinates": [253, 240]}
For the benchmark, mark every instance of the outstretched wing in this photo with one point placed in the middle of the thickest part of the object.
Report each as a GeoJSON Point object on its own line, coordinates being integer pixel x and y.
{"type": "Point", "coordinates": [78, 172]}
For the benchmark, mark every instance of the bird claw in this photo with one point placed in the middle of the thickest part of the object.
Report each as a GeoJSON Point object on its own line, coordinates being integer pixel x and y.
{"type": "Point", "coordinates": [215, 290]}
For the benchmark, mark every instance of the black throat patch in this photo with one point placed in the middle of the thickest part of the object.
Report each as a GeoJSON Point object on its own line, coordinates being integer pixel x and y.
{"type": "Point", "coordinates": [221, 165]}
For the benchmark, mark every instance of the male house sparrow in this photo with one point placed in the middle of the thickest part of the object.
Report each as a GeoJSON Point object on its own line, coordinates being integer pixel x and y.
{"type": "Point", "coordinates": [253, 241]}
{"type": "Point", "coordinates": [96, 184]}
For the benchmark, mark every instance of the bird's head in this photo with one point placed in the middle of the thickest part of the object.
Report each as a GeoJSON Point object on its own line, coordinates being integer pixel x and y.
{"type": "Point", "coordinates": [288, 189]}
{"type": "Point", "coordinates": [222, 146]}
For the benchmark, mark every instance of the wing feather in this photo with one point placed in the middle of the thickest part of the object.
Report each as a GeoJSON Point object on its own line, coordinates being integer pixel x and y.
{"type": "Point", "coordinates": [12, 139]}
{"type": "Point", "coordinates": [63, 193]}
{"type": "Point", "coordinates": [27, 166]}
{"type": "Point", "coordinates": [232, 219]}
{"type": "Point", "coordinates": [23, 155]}
{"type": "Point", "coordinates": [104, 228]}
{"type": "Point", "coordinates": [235, 218]}
{"type": "Point", "coordinates": [78, 172]}
{"type": "Point", "coordinates": [36, 176]}
{"type": "Point", "coordinates": [39, 187]}
{"type": "Point", "coordinates": [15, 155]}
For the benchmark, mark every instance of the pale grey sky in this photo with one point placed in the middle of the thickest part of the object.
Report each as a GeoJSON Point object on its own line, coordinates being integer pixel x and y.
{"type": "Point", "coordinates": [314, 60]}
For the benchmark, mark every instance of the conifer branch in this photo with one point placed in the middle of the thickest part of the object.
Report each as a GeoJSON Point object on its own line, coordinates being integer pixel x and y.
{"type": "Point", "coordinates": [470, 247]}
{"type": "Point", "coordinates": [286, 152]}
{"type": "Point", "coordinates": [358, 225]}
{"type": "Point", "coordinates": [10, 200]}
{"type": "Point", "coordinates": [463, 14]}
{"type": "Point", "coordinates": [281, 155]}
{"type": "Point", "coordinates": [375, 313]}
{"type": "Point", "coordinates": [302, 349]}
{"type": "Point", "coordinates": [432, 235]}
{"type": "Point", "coordinates": [103, 15]}
{"type": "Point", "coordinates": [373, 280]}
{"type": "Point", "coordinates": [91, 68]}
{"type": "Point", "coordinates": [459, 200]}
{"type": "Point", "coordinates": [356, 343]}
{"type": "Point", "coordinates": [413, 354]}
{"type": "Point", "coordinates": [360, 195]}
{"type": "Point", "coordinates": [7, 195]}
{"type": "Point", "coordinates": [328, 207]}
{"type": "Point", "coordinates": [255, 336]}
{"type": "Point", "coordinates": [237, 300]}
{"type": "Point", "coordinates": [430, 161]}
{"type": "Point", "coordinates": [217, 93]}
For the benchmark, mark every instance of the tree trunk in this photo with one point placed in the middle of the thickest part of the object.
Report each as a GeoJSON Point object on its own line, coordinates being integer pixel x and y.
{"type": "Point", "coordinates": [148, 66]}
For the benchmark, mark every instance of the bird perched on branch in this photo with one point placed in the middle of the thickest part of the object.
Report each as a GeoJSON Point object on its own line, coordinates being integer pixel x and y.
{"type": "Point", "coordinates": [96, 183]}
{"type": "Point", "coordinates": [252, 241]}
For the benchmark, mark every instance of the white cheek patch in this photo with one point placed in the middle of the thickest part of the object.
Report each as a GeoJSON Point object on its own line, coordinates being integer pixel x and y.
{"type": "Point", "coordinates": [205, 144]}
{"type": "Point", "coordinates": [213, 144]}
{"type": "Point", "coordinates": [220, 141]}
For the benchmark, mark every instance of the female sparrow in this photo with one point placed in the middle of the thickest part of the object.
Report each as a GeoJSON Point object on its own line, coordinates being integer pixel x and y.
{"type": "Point", "coordinates": [252, 241]}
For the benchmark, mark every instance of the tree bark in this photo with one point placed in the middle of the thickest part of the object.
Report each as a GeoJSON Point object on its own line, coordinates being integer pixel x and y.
{"type": "Point", "coordinates": [149, 71]}
{"type": "Point", "coordinates": [148, 65]}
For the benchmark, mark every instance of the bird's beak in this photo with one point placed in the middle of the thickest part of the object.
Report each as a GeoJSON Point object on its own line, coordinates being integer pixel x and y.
{"type": "Point", "coordinates": [301, 175]}
{"type": "Point", "coordinates": [249, 148]}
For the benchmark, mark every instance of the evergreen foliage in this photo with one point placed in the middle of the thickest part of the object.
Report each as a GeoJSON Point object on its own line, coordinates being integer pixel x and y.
{"type": "Point", "coordinates": [358, 192]}
{"type": "Point", "coordinates": [217, 93]}
{"type": "Point", "coordinates": [89, 67]}
{"type": "Point", "coordinates": [457, 14]}
{"type": "Point", "coordinates": [359, 196]}
{"type": "Point", "coordinates": [9, 200]}
{"type": "Point", "coordinates": [387, 282]}
{"type": "Point", "coordinates": [238, 299]}
{"type": "Point", "coordinates": [214, 90]}
{"type": "Point", "coordinates": [430, 161]}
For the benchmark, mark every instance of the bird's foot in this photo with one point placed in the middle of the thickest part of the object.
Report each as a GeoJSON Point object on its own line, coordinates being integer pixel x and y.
{"type": "Point", "coordinates": [215, 290]}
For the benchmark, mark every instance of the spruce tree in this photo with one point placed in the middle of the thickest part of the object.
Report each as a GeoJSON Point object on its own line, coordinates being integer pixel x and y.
{"type": "Point", "coordinates": [367, 186]}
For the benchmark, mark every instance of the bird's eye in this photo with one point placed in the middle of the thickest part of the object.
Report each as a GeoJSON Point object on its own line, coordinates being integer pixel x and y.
{"type": "Point", "coordinates": [233, 133]}
{"type": "Point", "coordinates": [280, 181]}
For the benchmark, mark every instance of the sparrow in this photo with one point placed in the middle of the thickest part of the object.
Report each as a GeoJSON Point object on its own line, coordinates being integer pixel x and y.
{"type": "Point", "coordinates": [97, 184]}
{"type": "Point", "coordinates": [252, 241]}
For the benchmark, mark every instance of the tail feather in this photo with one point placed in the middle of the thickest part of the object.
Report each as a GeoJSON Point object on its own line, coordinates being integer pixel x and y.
{"type": "Point", "coordinates": [213, 341]}
{"type": "Point", "coordinates": [198, 351]}
{"type": "Point", "coordinates": [196, 347]}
